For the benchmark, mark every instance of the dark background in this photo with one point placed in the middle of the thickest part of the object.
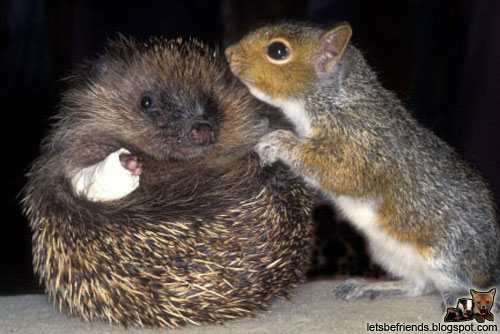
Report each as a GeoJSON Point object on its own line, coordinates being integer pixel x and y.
{"type": "Point", "coordinates": [441, 57]}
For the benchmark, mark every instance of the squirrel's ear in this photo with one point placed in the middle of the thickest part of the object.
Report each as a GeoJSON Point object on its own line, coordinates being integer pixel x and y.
{"type": "Point", "coordinates": [332, 47]}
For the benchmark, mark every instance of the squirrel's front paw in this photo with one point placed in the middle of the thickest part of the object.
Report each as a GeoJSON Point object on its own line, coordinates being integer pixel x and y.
{"type": "Point", "coordinates": [268, 154]}
{"type": "Point", "coordinates": [271, 146]}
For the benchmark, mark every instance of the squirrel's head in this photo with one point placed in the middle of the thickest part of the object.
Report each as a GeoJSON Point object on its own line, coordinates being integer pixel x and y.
{"type": "Point", "coordinates": [169, 99]}
{"type": "Point", "coordinates": [282, 61]}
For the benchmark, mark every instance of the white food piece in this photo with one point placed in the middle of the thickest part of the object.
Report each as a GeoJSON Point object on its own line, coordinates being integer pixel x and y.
{"type": "Point", "coordinates": [106, 180]}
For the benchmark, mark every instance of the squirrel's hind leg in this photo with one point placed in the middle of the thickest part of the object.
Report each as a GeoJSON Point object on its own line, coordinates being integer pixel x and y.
{"type": "Point", "coordinates": [496, 306]}
{"type": "Point", "coordinates": [353, 289]}
{"type": "Point", "coordinates": [449, 299]}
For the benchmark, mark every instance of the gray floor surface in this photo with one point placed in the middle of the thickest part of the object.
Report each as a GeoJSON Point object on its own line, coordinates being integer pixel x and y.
{"type": "Point", "coordinates": [312, 309]}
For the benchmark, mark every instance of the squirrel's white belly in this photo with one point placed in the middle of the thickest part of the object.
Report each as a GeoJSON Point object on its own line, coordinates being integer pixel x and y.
{"type": "Point", "coordinates": [293, 109]}
{"type": "Point", "coordinates": [399, 258]}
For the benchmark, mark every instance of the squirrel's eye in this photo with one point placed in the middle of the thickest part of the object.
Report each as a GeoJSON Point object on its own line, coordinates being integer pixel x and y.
{"type": "Point", "coordinates": [147, 102]}
{"type": "Point", "coordinates": [278, 51]}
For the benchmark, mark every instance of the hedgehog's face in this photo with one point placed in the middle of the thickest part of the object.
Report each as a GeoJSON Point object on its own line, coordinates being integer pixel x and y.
{"type": "Point", "coordinates": [172, 124]}
{"type": "Point", "coordinates": [159, 104]}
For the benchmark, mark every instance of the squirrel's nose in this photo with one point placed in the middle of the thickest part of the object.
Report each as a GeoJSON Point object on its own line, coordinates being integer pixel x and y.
{"type": "Point", "coordinates": [229, 54]}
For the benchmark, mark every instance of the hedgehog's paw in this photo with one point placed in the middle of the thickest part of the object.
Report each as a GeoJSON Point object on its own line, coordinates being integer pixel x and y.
{"type": "Point", "coordinates": [132, 163]}
{"type": "Point", "coordinates": [113, 178]}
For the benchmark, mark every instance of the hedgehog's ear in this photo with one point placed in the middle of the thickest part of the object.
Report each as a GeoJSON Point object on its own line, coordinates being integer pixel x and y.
{"type": "Point", "coordinates": [101, 66]}
{"type": "Point", "coordinates": [331, 48]}
{"type": "Point", "coordinates": [89, 71]}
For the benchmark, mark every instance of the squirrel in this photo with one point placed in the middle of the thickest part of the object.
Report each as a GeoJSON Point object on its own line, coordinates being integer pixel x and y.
{"type": "Point", "coordinates": [428, 216]}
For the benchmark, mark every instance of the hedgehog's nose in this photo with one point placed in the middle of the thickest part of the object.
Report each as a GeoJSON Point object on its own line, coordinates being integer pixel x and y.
{"type": "Point", "coordinates": [202, 133]}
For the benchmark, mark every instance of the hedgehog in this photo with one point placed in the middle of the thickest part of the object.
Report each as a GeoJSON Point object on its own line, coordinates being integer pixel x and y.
{"type": "Point", "coordinates": [206, 236]}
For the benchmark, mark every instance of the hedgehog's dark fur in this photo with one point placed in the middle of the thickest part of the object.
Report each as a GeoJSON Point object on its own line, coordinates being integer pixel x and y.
{"type": "Point", "coordinates": [206, 237]}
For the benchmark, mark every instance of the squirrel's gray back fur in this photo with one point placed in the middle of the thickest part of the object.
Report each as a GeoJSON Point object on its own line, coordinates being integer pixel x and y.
{"type": "Point", "coordinates": [441, 196]}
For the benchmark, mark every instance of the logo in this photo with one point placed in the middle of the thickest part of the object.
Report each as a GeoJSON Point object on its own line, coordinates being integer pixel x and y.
{"type": "Point", "coordinates": [478, 307]}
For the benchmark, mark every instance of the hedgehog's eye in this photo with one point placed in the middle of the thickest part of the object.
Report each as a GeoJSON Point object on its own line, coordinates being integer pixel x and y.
{"type": "Point", "coordinates": [278, 51]}
{"type": "Point", "coordinates": [147, 103]}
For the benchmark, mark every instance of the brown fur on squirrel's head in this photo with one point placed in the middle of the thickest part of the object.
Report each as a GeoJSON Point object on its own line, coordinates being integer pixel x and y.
{"type": "Point", "coordinates": [281, 61]}
{"type": "Point", "coordinates": [165, 99]}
